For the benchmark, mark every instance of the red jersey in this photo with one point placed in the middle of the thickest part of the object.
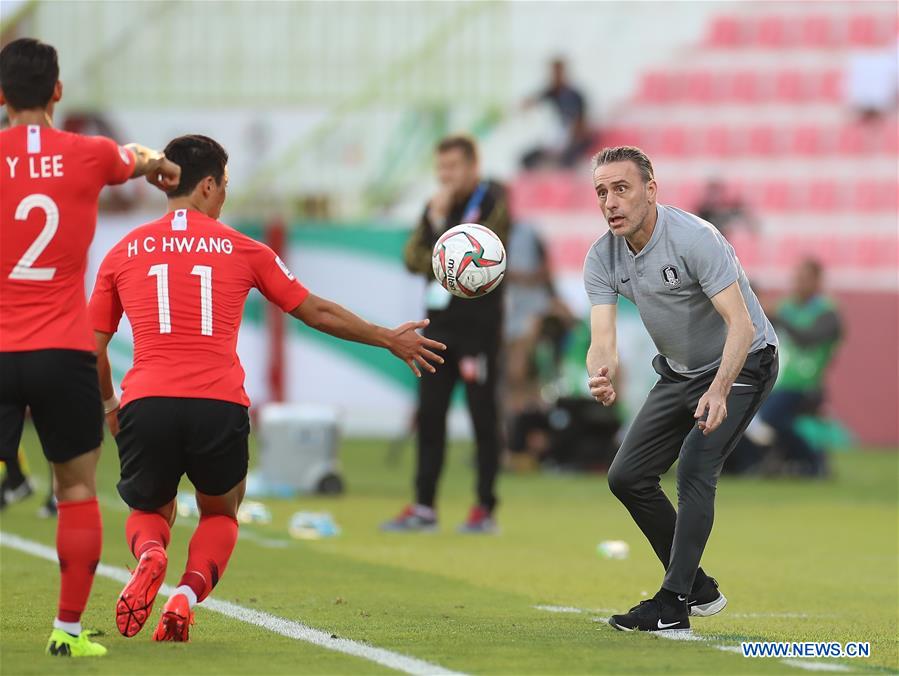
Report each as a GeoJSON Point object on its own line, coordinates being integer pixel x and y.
{"type": "Point", "coordinates": [183, 281]}
{"type": "Point", "coordinates": [50, 183]}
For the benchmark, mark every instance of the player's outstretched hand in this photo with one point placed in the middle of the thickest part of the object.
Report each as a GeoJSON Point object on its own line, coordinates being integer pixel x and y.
{"type": "Point", "coordinates": [112, 420]}
{"type": "Point", "coordinates": [166, 176]}
{"type": "Point", "coordinates": [601, 387]}
{"type": "Point", "coordinates": [711, 411]}
{"type": "Point", "coordinates": [414, 349]}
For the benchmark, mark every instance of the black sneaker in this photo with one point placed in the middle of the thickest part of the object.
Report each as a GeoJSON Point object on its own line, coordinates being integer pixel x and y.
{"type": "Point", "coordinates": [707, 600]}
{"type": "Point", "coordinates": [653, 615]}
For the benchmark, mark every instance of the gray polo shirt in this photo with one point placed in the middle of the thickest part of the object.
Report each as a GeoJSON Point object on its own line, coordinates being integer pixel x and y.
{"type": "Point", "coordinates": [671, 281]}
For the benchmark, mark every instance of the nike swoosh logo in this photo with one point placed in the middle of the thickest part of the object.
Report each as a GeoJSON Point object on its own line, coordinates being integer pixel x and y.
{"type": "Point", "coordinates": [663, 625]}
{"type": "Point", "coordinates": [625, 281]}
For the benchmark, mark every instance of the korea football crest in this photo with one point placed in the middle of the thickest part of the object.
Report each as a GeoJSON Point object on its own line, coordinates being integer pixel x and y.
{"type": "Point", "coordinates": [671, 277]}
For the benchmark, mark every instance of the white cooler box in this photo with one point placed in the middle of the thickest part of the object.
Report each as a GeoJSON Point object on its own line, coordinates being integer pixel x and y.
{"type": "Point", "coordinates": [297, 450]}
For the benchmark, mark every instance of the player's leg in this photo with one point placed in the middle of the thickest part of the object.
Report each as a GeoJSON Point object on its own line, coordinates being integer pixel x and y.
{"type": "Point", "coordinates": [12, 421]}
{"type": "Point", "coordinates": [62, 390]}
{"type": "Point", "coordinates": [217, 458]}
{"type": "Point", "coordinates": [701, 460]}
{"type": "Point", "coordinates": [435, 390]}
{"type": "Point", "coordinates": [151, 466]}
{"type": "Point", "coordinates": [479, 373]}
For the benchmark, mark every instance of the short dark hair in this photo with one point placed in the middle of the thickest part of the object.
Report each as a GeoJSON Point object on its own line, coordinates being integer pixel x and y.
{"type": "Point", "coordinates": [29, 71]}
{"type": "Point", "coordinates": [462, 142]}
{"type": "Point", "coordinates": [625, 154]}
{"type": "Point", "coordinates": [198, 156]}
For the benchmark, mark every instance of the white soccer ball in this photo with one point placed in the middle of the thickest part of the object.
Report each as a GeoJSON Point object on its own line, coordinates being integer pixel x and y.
{"type": "Point", "coordinates": [469, 260]}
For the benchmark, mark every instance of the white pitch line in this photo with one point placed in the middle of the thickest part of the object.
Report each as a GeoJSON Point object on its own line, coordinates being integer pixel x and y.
{"type": "Point", "coordinates": [559, 609]}
{"type": "Point", "coordinates": [815, 666]}
{"type": "Point", "coordinates": [274, 624]}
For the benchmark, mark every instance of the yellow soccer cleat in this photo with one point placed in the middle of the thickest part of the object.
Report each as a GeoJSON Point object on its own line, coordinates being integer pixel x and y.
{"type": "Point", "coordinates": [62, 644]}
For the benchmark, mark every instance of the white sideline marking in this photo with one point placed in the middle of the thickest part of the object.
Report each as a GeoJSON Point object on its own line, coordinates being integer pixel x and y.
{"type": "Point", "coordinates": [274, 624]}
{"type": "Point", "coordinates": [815, 666]}
{"type": "Point", "coordinates": [689, 635]}
{"type": "Point", "coordinates": [559, 609]}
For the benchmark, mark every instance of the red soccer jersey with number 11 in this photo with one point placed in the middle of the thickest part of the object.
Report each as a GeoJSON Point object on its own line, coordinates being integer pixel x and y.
{"type": "Point", "coordinates": [49, 184]}
{"type": "Point", "coordinates": [183, 281]}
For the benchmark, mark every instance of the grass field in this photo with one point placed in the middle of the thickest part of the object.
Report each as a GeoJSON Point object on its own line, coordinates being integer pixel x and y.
{"type": "Point", "coordinates": [798, 561]}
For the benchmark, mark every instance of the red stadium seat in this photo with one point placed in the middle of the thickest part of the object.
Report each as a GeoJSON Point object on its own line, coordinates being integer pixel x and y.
{"type": "Point", "coordinates": [772, 32]}
{"type": "Point", "coordinates": [817, 31]}
{"type": "Point", "coordinates": [788, 86]}
{"type": "Point", "coordinates": [745, 86]}
{"type": "Point", "coordinates": [724, 31]}
{"type": "Point", "coordinates": [807, 140]}
{"type": "Point", "coordinates": [763, 140]}
{"type": "Point", "coordinates": [863, 31]}
{"type": "Point", "coordinates": [700, 87]}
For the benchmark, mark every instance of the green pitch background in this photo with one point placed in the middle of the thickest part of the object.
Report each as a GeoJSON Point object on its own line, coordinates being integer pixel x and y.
{"type": "Point", "coordinates": [797, 561]}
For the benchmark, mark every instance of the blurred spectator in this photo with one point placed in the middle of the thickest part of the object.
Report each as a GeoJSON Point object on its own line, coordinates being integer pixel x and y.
{"type": "Point", "coordinates": [809, 327]}
{"type": "Point", "coordinates": [472, 331]}
{"type": "Point", "coordinates": [723, 211]}
{"type": "Point", "coordinates": [575, 138]}
{"type": "Point", "coordinates": [872, 83]}
{"type": "Point", "coordinates": [529, 292]}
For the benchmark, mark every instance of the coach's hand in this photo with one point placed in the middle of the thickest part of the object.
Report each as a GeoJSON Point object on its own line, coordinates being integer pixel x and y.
{"type": "Point", "coordinates": [601, 387]}
{"type": "Point", "coordinates": [711, 411]}
{"type": "Point", "coordinates": [413, 348]}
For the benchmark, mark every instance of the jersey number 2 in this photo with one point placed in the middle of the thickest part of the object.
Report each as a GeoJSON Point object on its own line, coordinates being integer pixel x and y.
{"type": "Point", "coordinates": [24, 268]}
{"type": "Point", "coordinates": [204, 272]}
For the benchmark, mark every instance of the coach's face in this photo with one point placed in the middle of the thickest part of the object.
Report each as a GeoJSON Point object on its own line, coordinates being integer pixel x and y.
{"type": "Point", "coordinates": [625, 199]}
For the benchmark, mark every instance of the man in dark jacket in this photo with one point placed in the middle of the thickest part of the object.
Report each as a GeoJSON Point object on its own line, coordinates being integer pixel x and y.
{"type": "Point", "coordinates": [472, 331]}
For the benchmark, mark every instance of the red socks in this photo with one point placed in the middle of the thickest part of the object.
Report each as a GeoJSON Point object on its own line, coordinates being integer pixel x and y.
{"type": "Point", "coordinates": [79, 540]}
{"type": "Point", "coordinates": [146, 530]}
{"type": "Point", "coordinates": [210, 549]}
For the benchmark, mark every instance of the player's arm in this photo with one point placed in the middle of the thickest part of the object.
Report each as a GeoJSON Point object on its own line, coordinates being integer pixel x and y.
{"type": "Point", "coordinates": [161, 172]}
{"type": "Point", "coordinates": [712, 405]}
{"type": "Point", "coordinates": [107, 389]}
{"type": "Point", "coordinates": [602, 355]}
{"type": "Point", "coordinates": [404, 342]}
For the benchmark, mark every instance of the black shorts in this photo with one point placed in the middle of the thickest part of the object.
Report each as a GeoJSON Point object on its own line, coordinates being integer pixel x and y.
{"type": "Point", "coordinates": [162, 438]}
{"type": "Point", "coordinates": [61, 388]}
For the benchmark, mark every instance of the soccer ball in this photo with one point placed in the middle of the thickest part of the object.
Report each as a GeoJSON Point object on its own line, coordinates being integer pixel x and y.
{"type": "Point", "coordinates": [469, 260]}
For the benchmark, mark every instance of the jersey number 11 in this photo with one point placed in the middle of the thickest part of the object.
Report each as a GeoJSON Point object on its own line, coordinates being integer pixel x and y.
{"type": "Point", "coordinates": [204, 272]}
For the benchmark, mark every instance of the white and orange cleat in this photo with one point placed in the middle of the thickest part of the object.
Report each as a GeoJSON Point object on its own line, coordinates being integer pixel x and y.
{"type": "Point", "coordinates": [136, 600]}
{"type": "Point", "coordinates": [174, 625]}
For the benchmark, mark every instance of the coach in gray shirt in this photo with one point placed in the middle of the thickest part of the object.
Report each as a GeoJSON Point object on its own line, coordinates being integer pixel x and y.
{"type": "Point", "coordinates": [717, 362]}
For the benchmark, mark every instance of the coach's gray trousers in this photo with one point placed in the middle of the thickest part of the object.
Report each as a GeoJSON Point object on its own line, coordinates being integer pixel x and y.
{"type": "Point", "coordinates": [665, 430]}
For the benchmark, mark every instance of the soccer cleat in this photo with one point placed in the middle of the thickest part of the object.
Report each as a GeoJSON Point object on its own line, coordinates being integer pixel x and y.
{"type": "Point", "coordinates": [706, 600]}
{"type": "Point", "coordinates": [174, 625]}
{"type": "Point", "coordinates": [653, 615]}
{"type": "Point", "coordinates": [62, 644]}
{"type": "Point", "coordinates": [479, 521]}
{"type": "Point", "coordinates": [413, 518]}
{"type": "Point", "coordinates": [135, 602]}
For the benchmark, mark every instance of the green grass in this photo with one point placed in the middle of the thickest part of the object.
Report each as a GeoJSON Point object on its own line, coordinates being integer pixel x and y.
{"type": "Point", "coordinates": [827, 551]}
